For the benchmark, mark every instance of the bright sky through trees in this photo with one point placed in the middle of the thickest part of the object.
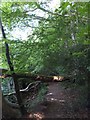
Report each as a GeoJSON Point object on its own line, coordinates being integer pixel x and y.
{"type": "Point", "coordinates": [20, 34]}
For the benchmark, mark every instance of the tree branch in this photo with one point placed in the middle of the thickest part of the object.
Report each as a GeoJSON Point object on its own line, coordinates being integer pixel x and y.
{"type": "Point", "coordinates": [43, 9]}
{"type": "Point", "coordinates": [29, 88]}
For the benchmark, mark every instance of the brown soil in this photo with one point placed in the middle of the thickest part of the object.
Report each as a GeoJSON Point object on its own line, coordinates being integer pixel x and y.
{"type": "Point", "coordinates": [59, 103]}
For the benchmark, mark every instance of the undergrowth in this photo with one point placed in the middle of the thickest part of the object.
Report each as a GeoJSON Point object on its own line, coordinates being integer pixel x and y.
{"type": "Point", "coordinates": [39, 98]}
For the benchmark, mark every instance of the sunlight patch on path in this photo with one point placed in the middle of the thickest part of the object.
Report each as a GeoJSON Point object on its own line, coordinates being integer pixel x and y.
{"type": "Point", "coordinates": [49, 94]}
{"type": "Point", "coordinates": [54, 99]}
{"type": "Point", "coordinates": [37, 116]}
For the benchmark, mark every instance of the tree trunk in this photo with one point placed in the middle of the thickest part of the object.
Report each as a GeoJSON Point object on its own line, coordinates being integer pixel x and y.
{"type": "Point", "coordinates": [19, 99]}
{"type": "Point", "coordinates": [0, 104]}
{"type": "Point", "coordinates": [41, 78]}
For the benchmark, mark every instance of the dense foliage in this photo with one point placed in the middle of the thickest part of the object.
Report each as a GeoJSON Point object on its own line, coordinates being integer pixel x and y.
{"type": "Point", "coordinates": [57, 43]}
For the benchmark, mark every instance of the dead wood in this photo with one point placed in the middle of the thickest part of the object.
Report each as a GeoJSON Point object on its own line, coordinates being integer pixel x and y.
{"type": "Point", "coordinates": [29, 88]}
{"type": "Point", "coordinates": [41, 78]}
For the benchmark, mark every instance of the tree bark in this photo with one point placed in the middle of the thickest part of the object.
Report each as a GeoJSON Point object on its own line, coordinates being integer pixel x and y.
{"type": "Point", "coordinates": [19, 99]}
{"type": "Point", "coordinates": [41, 78]}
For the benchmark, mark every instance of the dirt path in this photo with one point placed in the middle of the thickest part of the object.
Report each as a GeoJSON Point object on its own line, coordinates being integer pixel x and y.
{"type": "Point", "coordinates": [60, 103]}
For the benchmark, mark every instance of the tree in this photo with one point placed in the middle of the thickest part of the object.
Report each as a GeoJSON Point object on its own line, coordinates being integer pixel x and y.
{"type": "Point", "coordinates": [59, 43]}
{"type": "Point", "coordinates": [23, 111]}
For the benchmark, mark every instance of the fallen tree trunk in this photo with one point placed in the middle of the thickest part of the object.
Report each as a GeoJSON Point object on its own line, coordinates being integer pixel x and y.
{"type": "Point", "coordinates": [8, 108]}
{"type": "Point", "coordinates": [41, 78]}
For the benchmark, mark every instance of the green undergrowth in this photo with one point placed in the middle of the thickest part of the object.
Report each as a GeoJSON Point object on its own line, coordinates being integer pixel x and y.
{"type": "Point", "coordinates": [39, 98]}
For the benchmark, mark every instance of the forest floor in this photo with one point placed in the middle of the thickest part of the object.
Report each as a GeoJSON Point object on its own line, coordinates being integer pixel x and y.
{"type": "Point", "coordinates": [59, 103]}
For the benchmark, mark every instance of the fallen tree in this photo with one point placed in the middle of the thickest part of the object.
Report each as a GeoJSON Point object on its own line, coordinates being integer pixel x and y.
{"type": "Point", "coordinates": [8, 106]}
{"type": "Point", "coordinates": [41, 78]}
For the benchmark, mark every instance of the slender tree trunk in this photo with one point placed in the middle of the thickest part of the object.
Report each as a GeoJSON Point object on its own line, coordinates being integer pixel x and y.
{"type": "Point", "coordinates": [88, 73]}
{"type": "Point", "coordinates": [19, 99]}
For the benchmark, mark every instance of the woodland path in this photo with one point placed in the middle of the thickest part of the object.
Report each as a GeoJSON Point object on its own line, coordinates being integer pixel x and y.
{"type": "Point", "coordinates": [59, 103]}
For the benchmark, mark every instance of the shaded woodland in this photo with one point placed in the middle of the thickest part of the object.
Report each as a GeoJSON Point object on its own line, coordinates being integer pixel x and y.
{"type": "Point", "coordinates": [45, 59]}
